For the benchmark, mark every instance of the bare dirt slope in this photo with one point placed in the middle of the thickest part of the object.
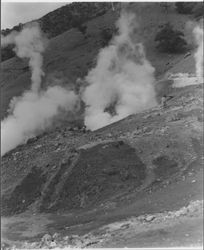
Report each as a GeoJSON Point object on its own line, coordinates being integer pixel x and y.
{"type": "Point", "coordinates": [148, 163]}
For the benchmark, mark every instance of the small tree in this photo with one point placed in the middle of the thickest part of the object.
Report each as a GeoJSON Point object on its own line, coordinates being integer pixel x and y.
{"type": "Point", "coordinates": [78, 24]}
{"type": "Point", "coordinates": [82, 29]}
{"type": "Point", "coordinates": [170, 41]}
{"type": "Point", "coordinates": [107, 34]}
{"type": "Point", "coordinates": [198, 10]}
{"type": "Point", "coordinates": [185, 7]}
{"type": "Point", "coordinates": [7, 52]}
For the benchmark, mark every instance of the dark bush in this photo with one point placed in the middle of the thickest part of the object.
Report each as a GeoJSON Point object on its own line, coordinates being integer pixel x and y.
{"type": "Point", "coordinates": [78, 24]}
{"type": "Point", "coordinates": [198, 10]}
{"type": "Point", "coordinates": [170, 40]}
{"type": "Point", "coordinates": [82, 29]}
{"type": "Point", "coordinates": [7, 53]}
{"type": "Point", "coordinates": [18, 27]}
{"type": "Point", "coordinates": [185, 7]}
{"type": "Point", "coordinates": [107, 34]}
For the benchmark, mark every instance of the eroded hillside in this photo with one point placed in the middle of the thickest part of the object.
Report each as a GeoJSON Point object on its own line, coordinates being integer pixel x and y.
{"type": "Point", "coordinates": [134, 183]}
{"type": "Point", "coordinates": [147, 163]}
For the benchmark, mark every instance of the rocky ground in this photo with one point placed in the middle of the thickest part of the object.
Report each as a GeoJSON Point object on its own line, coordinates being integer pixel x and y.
{"type": "Point", "coordinates": [135, 183]}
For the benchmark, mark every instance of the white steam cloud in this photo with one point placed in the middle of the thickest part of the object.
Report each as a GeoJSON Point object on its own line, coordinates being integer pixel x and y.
{"type": "Point", "coordinates": [122, 79]}
{"type": "Point", "coordinates": [29, 43]}
{"type": "Point", "coordinates": [33, 113]}
{"type": "Point", "coordinates": [35, 110]}
{"type": "Point", "coordinates": [185, 79]}
{"type": "Point", "coordinates": [198, 34]}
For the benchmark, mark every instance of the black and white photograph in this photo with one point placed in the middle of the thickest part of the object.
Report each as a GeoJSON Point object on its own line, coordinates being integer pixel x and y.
{"type": "Point", "coordinates": [101, 125]}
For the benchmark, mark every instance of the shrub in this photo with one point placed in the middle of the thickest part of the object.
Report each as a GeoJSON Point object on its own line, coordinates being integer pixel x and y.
{"type": "Point", "coordinates": [106, 35]}
{"type": "Point", "coordinates": [81, 27]}
{"type": "Point", "coordinates": [7, 52]}
{"type": "Point", "coordinates": [170, 41]}
{"type": "Point", "coordinates": [185, 8]}
{"type": "Point", "coordinates": [198, 10]}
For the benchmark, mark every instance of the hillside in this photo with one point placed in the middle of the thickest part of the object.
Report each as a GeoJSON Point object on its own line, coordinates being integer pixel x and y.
{"type": "Point", "coordinates": [137, 182]}
{"type": "Point", "coordinates": [147, 166]}
{"type": "Point", "coordinates": [60, 20]}
{"type": "Point", "coordinates": [71, 55]}
{"type": "Point", "coordinates": [76, 13]}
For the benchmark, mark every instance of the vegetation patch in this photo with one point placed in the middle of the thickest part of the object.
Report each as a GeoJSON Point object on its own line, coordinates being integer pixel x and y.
{"type": "Point", "coordinates": [25, 193]}
{"type": "Point", "coordinates": [170, 40]}
{"type": "Point", "coordinates": [165, 167]}
{"type": "Point", "coordinates": [100, 173]}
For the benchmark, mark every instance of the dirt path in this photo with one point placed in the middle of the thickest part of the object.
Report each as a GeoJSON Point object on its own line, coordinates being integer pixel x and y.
{"type": "Point", "coordinates": [32, 227]}
{"type": "Point", "coordinates": [164, 234]}
{"type": "Point", "coordinates": [182, 227]}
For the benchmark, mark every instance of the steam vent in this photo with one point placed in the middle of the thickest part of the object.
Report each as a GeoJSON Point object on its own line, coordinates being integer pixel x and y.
{"type": "Point", "coordinates": [102, 125]}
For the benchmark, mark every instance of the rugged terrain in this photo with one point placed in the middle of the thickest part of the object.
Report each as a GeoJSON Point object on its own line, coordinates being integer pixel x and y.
{"type": "Point", "coordinates": [71, 55]}
{"type": "Point", "coordinates": [148, 163]}
{"type": "Point", "coordinates": [134, 183]}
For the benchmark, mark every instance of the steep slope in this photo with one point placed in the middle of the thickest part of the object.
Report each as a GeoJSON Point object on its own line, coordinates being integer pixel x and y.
{"type": "Point", "coordinates": [60, 20]}
{"type": "Point", "coordinates": [135, 183]}
{"type": "Point", "coordinates": [71, 55]}
{"type": "Point", "coordinates": [147, 163]}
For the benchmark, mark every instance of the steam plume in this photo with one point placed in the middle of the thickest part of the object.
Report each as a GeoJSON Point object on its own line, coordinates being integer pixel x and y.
{"type": "Point", "coordinates": [29, 43]}
{"type": "Point", "coordinates": [122, 78]}
{"type": "Point", "coordinates": [198, 34]}
{"type": "Point", "coordinates": [35, 110]}
{"type": "Point", "coordinates": [185, 79]}
{"type": "Point", "coordinates": [33, 113]}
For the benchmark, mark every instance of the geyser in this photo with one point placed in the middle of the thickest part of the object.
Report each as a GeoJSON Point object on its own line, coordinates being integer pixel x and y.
{"type": "Point", "coordinates": [34, 111]}
{"type": "Point", "coordinates": [123, 78]}
{"type": "Point", "coordinates": [198, 35]}
{"type": "Point", "coordinates": [29, 43]}
{"type": "Point", "coordinates": [185, 79]}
